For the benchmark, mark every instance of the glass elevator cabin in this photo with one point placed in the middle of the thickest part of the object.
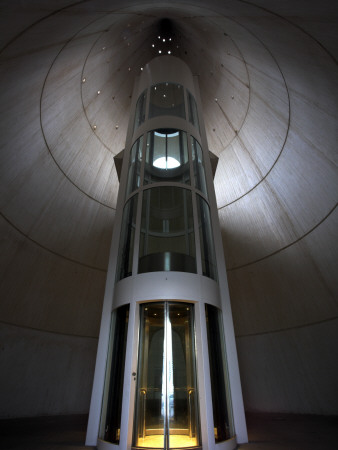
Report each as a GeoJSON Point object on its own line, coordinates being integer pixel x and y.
{"type": "Point", "coordinates": [166, 373]}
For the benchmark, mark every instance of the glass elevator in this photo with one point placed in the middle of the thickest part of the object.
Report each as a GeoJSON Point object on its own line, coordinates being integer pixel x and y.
{"type": "Point", "coordinates": [166, 372]}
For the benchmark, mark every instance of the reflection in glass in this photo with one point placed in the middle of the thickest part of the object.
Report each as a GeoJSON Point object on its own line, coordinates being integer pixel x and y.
{"type": "Point", "coordinates": [134, 170]}
{"type": "Point", "coordinates": [166, 99]}
{"type": "Point", "coordinates": [140, 111]}
{"type": "Point", "coordinates": [218, 373]}
{"type": "Point", "coordinates": [125, 255]}
{"type": "Point", "coordinates": [167, 240]}
{"type": "Point", "coordinates": [112, 397]}
{"type": "Point", "coordinates": [166, 413]}
{"type": "Point", "coordinates": [192, 110]}
{"type": "Point", "coordinates": [166, 157]}
{"type": "Point", "coordinates": [197, 159]}
{"type": "Point", "coordinates": [206, 239]}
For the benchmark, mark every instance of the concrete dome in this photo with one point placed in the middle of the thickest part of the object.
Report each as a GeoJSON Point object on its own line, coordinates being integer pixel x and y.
{"type": "Point", "coordinates": [268, 77]}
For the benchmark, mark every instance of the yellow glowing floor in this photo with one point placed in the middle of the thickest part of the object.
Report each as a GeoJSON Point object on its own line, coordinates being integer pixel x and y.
{"type": "Point", "coordinates": [175, 441]}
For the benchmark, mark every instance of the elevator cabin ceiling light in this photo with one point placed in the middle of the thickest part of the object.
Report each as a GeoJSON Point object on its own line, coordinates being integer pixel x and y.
{"type": "Point", "coordinates": [166, 162]}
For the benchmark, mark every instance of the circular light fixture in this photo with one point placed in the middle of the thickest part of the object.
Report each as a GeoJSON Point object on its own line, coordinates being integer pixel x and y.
{"type": "Point", "coordinates": [166, 163]}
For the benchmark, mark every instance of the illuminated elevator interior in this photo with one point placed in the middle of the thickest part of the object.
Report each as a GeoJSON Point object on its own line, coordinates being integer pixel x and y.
{"type": "Point", "coordinates": [166, 403]}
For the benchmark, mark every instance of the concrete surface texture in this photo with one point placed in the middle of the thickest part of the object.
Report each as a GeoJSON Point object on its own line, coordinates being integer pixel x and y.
{"type": "Point", "coordinates": [266, 432]}
{"type": "Point", "coordinates": [269, 84]}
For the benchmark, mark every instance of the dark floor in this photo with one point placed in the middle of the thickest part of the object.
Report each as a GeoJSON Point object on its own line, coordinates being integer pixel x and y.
{"type": "Point", "coordinates": [266, 432]}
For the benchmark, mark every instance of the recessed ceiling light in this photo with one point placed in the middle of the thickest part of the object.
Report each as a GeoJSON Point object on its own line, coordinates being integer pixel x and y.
{"type": "Point", "coordinates": [160, 51]}
{"type": "Point", "coordinates": [94, 127]}
{"type": "Point", "coordinates": [98, 92]}
{"type": "Point", "coordinates": [169, 52]}
{"type": "Point", "coordinates": [83, 80]}
{"type": "Point", "coordinates": [163, 40]}
{"type": "Point", "coordinates": [153, 45]}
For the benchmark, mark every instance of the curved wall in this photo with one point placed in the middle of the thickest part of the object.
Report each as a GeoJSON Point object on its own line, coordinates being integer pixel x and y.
{"type": "Point", "coordinates": [268, 79]}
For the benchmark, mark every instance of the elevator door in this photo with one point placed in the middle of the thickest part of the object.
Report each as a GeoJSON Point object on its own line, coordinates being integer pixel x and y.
{"type": "Point", "coordinates": [166, 414]}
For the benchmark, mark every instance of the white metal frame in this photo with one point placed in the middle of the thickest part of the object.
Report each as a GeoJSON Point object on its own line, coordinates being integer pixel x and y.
{"type": "Point", "coordinates": [175, 286]}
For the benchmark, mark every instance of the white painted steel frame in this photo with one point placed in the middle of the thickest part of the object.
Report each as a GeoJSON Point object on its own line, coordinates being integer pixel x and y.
{"type": "Point", "coordinates": [175, 286]}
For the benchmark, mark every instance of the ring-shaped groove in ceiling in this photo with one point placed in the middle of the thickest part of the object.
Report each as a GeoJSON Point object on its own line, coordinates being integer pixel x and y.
{"type": "Point", "coordinates": [246, 156]}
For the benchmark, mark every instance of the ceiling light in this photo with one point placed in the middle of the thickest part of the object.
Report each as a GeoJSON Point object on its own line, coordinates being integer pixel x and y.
{"type": "Point", "coordinates": [153, 45]}
{"type": "Point", "coordinates": [166, 163]}
{"type": "Point", "coordinates": [163, 40]}
{"type": "Point", "coordinates": [169, 52]}
{"type": "Point", "coordinates": [98, 92]}
{"type": "Point", "coordinates": [160, 51]}
{"type": "Point", "coordinates": [83, 80]}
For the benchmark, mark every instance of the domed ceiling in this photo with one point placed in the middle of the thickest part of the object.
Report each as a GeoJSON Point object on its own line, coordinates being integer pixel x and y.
{"type": "Point", "coordinates": [268, 82]}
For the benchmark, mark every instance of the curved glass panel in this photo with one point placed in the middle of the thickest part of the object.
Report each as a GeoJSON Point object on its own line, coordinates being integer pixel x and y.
{"type": "Point", "coordinates": [140, 110]}
{"type": "Point", "coordinates": [198, 164]}
{"type": "Point", "coordinates": [218, 373]}
{"type": "Point", "coordinates": [206, 239]}
{"type": "Point", "coordinates": [134, 169]}
{"type": "Point", "coordinates": [167, 239]}
{"type": "Point", "coordinates": [167, 413]}
{"type": "Point", "coordinates": [125, 255]}
{"type": "Point", "coordinates": [167, 157]}
{"type": "Point", "coordinates": [167, 99]}
{"type": "Point", "coordinates": [113, 391]}
{"type": "Point", "coordinates": [192, 110]}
